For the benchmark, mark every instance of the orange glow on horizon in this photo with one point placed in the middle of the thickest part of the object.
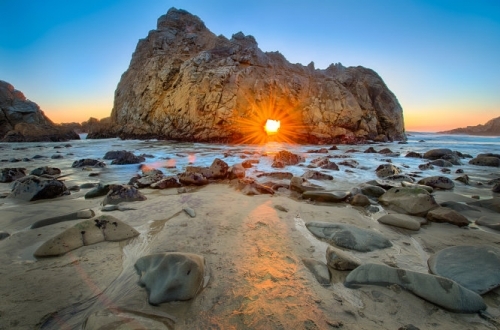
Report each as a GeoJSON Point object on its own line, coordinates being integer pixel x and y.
{"type": "Point", "coordinates": [272, 126]}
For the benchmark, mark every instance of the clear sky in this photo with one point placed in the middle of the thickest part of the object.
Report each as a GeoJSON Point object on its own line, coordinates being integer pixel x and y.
{"type": "Point", "coordinates": [441, 58]}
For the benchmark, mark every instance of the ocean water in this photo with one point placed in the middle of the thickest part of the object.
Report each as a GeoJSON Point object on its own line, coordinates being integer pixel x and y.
{"type": "Point", "coordinates": [172, 157]}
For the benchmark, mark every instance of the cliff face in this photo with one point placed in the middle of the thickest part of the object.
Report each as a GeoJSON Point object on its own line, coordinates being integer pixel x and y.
{"type": "Point", "coordinates": [491, 128]}
{"type": "Point", "coordinates": [185, 83]}
{"type": "Point", "coordinates": [21, 120]}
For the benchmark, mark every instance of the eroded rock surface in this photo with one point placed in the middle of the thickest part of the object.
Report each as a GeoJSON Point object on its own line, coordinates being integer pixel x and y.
{"type": "Point", "coordinates": [186, 83]}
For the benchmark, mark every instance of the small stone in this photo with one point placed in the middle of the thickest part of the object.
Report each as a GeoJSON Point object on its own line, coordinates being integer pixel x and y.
{"type": "Point", "coordinates": [190, 212]}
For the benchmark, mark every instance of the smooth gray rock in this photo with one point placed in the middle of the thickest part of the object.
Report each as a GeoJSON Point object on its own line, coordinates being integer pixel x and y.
{"type": "Point", "coordinates": [100, 190]}
{"type": "Point", "coordinates": [341, 260]}
{"type": "Point", "coordinates": [92, 231]}
{"type": "Point", "coordinates": [299, 184]}
{"type": "Point", "coordinates": [410, 184]}
{"type": "Point", "coordinates": [349, 236]}
{"type": "Point", "coordinates": [407, 200]}
{"type": "Point", "coordinates": [492, 204]}
{"type": "Point", "coordinates": [475, 267]}
{"type": "Point", "coordinates": [83, 214]}
{"type": "Point", "coordinates": [171, 276]}
{"type": "Point", "coordinates": [491, 221]}
{"type": "Point", "coordinates": [319, 270]}
{"type": "Point", "coordinates": [86, 162]}
{"type": "Point", "coordinates": [435, 289]}
{"type": "Point", "coordinates": [437, 153]}
{"type": "Point", "coordinates": [485, 161]}
{"type": "Point", "coordinates": [326, 196]}
{"type": "Point", "coordinates": [46, 170]}
{"type": "Point", "coordinates": [438, 182]}
{"type": "Point", "coordinates": [189, 211]}
{"type": "Point", "coordinates": [33, 188]}
{"type": "Point", "coordinates": [360, 200]}
{"type": "Point", "coordinates": [402, 221]}
{"type": "Point", "coordinates": [372, 190]}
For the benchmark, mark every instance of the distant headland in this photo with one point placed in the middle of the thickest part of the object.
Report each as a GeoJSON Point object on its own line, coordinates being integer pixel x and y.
{"type": "Point", "coordinates": [491, 128]}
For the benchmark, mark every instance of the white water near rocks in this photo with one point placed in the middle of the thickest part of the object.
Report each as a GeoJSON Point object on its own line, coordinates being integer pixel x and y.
{"type": "Point", "coordinates": [172, 157]}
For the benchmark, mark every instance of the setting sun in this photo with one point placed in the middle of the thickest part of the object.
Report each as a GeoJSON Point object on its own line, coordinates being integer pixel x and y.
{"type": "Point", "coordinates": [272, 126]}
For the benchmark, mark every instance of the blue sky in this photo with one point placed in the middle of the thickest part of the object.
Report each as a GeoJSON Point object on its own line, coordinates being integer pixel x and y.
{"type": "Point", "coordinates": [440, 58]}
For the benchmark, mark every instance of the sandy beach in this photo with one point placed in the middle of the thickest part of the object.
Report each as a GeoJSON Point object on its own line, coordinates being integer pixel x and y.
{"type": "Point", "coordinates": [254, 247]}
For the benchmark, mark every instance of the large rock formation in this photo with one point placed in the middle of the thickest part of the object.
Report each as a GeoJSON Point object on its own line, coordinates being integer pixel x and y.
{"type": "Point", "coordinates": [491, 128]}
{"type": "Point", "coordinates": [21, 120]}
{"type": "Point", "coordinates": [186, 83]}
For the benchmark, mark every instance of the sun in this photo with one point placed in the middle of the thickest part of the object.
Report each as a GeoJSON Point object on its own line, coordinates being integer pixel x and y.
{"type": "Point", "coordinates": [272, 126]}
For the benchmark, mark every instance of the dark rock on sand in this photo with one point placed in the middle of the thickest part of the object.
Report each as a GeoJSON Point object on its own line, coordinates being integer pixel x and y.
{"type": "Point", "coordinates": [4, 235]}
{"type": "Point", "coordinates": [402, 221]}
{"type": "Point", "coordinates": [237, 171]}
{"type": "Point", "coordinates": [438, 182]}
{"type": "Point", "coordinates": [122, 193]}
{"type": "Point", "coordinates": [474, 267]}
{"type": "Point", "coordinates": [166, 182]}
{"type": "Point", "coordinates": [92, 231]}
{"type": "Point", "coordinates": [444, 214]}
{"type": "Point", "coordinates": [437, 153]}
{"type": "Point", "coordinates": [32, 188]}
{"type": "Point", "coordinates": [171, 276]}
{"type": "Point", "coordinates": [413, 154]}
{"type": "Point", "coordinates": [46, 170]}
{"type": "Point", "coordinates": [192, 179]}
{"type": "Point", "coordinates": [83, 214]}
{"type": "Point", "coordinates": [10, 174]}
{"type": "Point", "coordinates": [100, 190]}
{"type": "Point", "coordinates": [341, 260]}
{"type": "Point", "coordinates": [485, 161]}
{"type": "Point", "coordinates": [463, 178]}
{"type": "Point", "coordinates": [126, 158]}
{"type": "Point", "coordinates": [435, 289]}
{"type": "Point", "coordinates": [88, 163]}
{"type": "Point", "coordinates": [406, 200]}
{"type": "Point", "coordinates": [372, 190]}
{"type": "Point", "coordinates": [319, 270]}
{"type": "Point", "coordinates": [326, 196]}
{"type": "Point", "coordinates": [349, 236]}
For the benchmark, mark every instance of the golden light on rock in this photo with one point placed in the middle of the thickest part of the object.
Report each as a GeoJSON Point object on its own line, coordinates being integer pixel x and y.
{"type": "Point", "coordinates": [272, 126]}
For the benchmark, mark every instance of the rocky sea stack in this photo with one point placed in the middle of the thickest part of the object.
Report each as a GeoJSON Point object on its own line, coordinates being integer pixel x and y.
{"type": "Point", "coordinates": [186, 83]}
{"type": "Point", "coordinates": [22, 120]}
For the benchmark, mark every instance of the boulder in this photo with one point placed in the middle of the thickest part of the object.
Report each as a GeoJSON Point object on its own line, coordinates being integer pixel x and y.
{"type": "Point", "coordinates": [402, 221]}
{"type": "Point", "coordinates": [277, 175]}
{"type": "Point", "coordinates": [340, 260]}
{"type": "Point", "coordinates": [463, 178]}
{"type": "Point", "coordinates": [485, 161]}
{"type": "Point", "coordinates": [125, 158]}
{"type": "Point", "coordinates": [349, 163]}
{"type": "Point", "coordinates": [32, 188]}
{"type": "Point", "coordinates": [406, 200]}
{"type": "Point", "coordinates": [326, 196]}
{"type": "Point", "coordinates": [437, 153]}
{"type": "Point", "coordinates": [88, 163]}
{"type": "Point", "coordinates": [222, 79]}
{"type": "Point", "coordinates": [219, 169]}
{"type": "Point", "coordinates": [171, 276]}
{"type": "Point", "coordinates": [324, 163]}
{"type": "Point", "coordinates": [349, 236]}
{"type": "Point", "coordinates": [46, 170]}
{"type": "Point", "coordinates": [492, 204]}
{"type": "Point", "coordinates": [445, 214]}
{"type": "Point", "coordinates": [122, 193]}
{"type": "Point", "coordinates": [413, 154]}
{"type": "Point", "coordinates": [192, 179]}
{"type": "Point", "coordinates": [166, 182]}
{"type": "Point", "coordinates": [319, 270]}
{"type": "Point", "coordinates": [316, 175]}
{"type": "Point", "coordinates": [287, 158]}
{"type": "Point", "coordinates": [473, 267]}
{"type": "Point", "coordinates": [237, 171]}
{"type": "Point", "coordinates": [92, 231]}
{"type": "Point", "coordinates": [385, 170]}
{"type": "Point", "coordinates": [372, 190]}
{"type": "Point", "coordinates": [416, 185]}
{"type": "Point", "coordinates": [441, 163]}
{"type": "Point", "coordinates": [360, 200]}
{"type": "Point", "coordinates": [4, 235]}
{"type": "Point", "coordinates": [435, 289]}
{"type": "Point", "coordinates": [438, 182]}
{"type": "Point", "coordinates": [12, 174]}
